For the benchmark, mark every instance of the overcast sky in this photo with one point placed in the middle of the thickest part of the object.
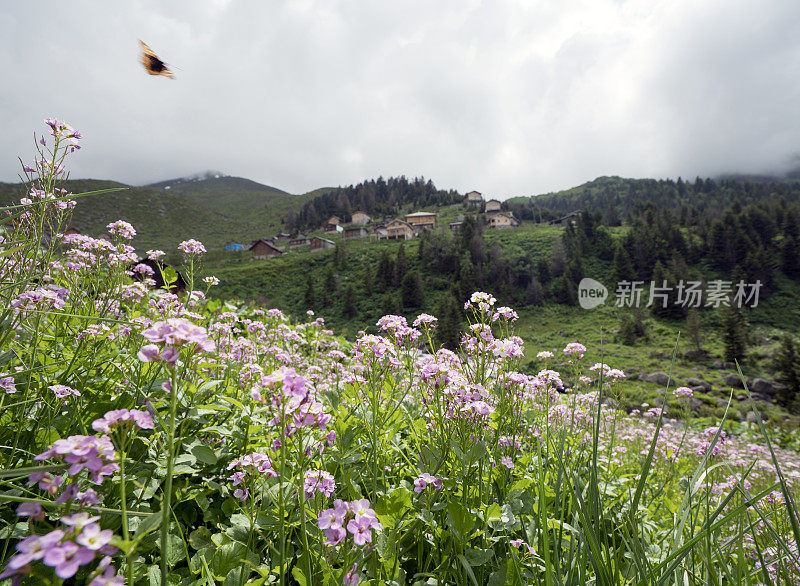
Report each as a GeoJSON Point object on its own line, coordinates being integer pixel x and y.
{"type": "Point", "coordinates": [509, 98]}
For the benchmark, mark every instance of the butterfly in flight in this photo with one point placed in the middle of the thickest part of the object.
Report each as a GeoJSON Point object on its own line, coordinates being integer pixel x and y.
{"type": "Point", "coordinates": [152, 64]}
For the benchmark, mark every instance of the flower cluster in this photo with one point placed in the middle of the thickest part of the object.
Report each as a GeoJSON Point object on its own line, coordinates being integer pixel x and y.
{"type": "Point", "coordinates": [355, 518]}
{"type": "Point", "coordinates": [123, 418]}
{"type": "Point", "coordinates": [122, 229]}
{"type": "Point", "coordinates": [424, 480]}
{"type": "Point", "coordinates": [63, 391]}
{"type": "Point", "coordinates": [93, 453]}
{"type": "Point", "coordinates": [169, 335]}
{"type": "Point", "coordinates": [683, 392]}
{"type": "Point", "coordinates": [66, 550]}
{"type": "Point", "coordinates": [398, 327]}
{"type": "Point", "coordinates": [574, 349]}
{"type": "Point", "coordinates": [191, 246]}
{"type": "Point", "coordinates": [318, 481]}
{"type": "Point", "coordinates": [483, 301]}
{"type": "Point", "coordinates": [256, 463]}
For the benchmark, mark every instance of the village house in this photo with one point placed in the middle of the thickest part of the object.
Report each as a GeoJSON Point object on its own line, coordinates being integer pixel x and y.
{"type": "Point", "coordinates": [332, 223]}
{"type": "Point", "coordinates": [455, 226]}
{"type": "Point", "coordinates": [425, 220]}
{"type": "Point", "coordinates": [492, 206]}
{"type": "Point", "coordinates": [318, 243]}
{"type": "Point", "coordinates": [396, 230]}
{"type": "Point", "coordinates": [361, 218]}
{"type": "Point", "coordinates": [473, 198]}
{"type": "Point", "coordinates": [353, 232]}
{"type": "Point", "coordinates": [502, 220]}
{"type": "Point", "coordinates": [282, 237]}
{"type": "Point", "coordinates": [298, 241]}
{"type": "Point", "coordinates": [263, 248]}
{"type": "Point", "coordinates": [570, 218]}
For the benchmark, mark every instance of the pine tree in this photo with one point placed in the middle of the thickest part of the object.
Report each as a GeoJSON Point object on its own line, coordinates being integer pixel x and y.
{"type": "Point", "coordinates": [309, 294]}
{"type": "Point", "coordinates": [368, 280]}
{"type": "Point", "coordinates": [331, 287]}
{"type": "Point", "coordinates": [623, 265]}
{"type": "Point", "coordinates": [693, 328]}
{"type": "Point", "coordinates": [401, 262]}
{"type": "Point", "coordinates": [411, 290]}
{"type": "Point", "coordinates": [385, 270]}
{"type": "Point", "coordinates": [786, 363]}
{"type": "Point", "coordinates": [388, 307]}
{"type": "Point", "coordinates": [340, 256]}
{"type": "Point", "coordinates": [790, 254]}
{"type": "Point", "coordinates": [468, 278]}
{"type": "Point", "coordinates": [349, 307]}
{"type": "Point", "coordinates": [734, 335]}
{"type": "Point", "coordinates": [448, 328]}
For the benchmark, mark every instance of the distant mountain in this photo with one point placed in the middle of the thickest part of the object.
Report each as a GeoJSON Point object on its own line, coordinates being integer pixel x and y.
{"type": "Point", "coordinates": [210, 207]}
{"type": "Point", "coordinates": [213, 181]}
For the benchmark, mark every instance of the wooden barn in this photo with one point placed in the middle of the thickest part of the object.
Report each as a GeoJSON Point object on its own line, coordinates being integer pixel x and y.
{"type": "Point", "coordinates": [263, 248]}
{"type": "Point", "coordinates": [316, 243]}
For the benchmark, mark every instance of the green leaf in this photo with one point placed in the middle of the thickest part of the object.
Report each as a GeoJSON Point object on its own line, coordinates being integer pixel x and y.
{"type": "Point", "coordinates": [298, 575]}
{"type": "Point", "coordinates": [205, 454]}
{"type": "Point", "coordinates": [148, 525]}
{"type": "Point", "coordinates": [478, 557]}
{"type": "Point", "coordinates": [230, 556]}
{"type": "Point", "coordinates": [460, 520]}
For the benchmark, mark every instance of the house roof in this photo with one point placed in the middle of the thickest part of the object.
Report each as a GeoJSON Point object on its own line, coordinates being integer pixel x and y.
{"type": "Point", "coordinates": [420, 214]}
{"type": "Point", "coordinates": [491, 200]}
{"type": "Point", "coordinates": [265, 242]}
{"type": "Point", "coordinates": [323, 239]}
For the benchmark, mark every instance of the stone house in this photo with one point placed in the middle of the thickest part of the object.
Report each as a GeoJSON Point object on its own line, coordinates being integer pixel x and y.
{"type": "Point", "coordinates": [353, 232]}
{"type": "Point", "coordinates": [492, 206]}
{"type": "Point", "coordinates": [396, 230]}
{"type": "Point", "coordinates": [360, 218]}
{"type": "Point", "coordinates": [473, 198]}
{"type": "Point", "coordinates": [426, 220]}
{"type": "Point", "coordinates": [502, 220]}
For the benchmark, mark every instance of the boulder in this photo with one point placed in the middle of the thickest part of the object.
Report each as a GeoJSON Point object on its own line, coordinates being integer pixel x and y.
{"type": "Point", "coordinates": [698, 384]}
{"type": "Point", "coordinates": [762, 386]}
{"type": "Point", "coordinates": [723, 365]}
{"type": "Point", "coordinates": [696, 355]}
{"type": "Point", "coordinates": [660, 378]}
{"type": "Point", "coordinates": [733, 380]}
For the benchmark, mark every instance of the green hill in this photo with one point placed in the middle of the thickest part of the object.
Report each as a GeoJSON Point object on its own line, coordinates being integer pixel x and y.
{"type": "Point", "coordinates": [214, 210]}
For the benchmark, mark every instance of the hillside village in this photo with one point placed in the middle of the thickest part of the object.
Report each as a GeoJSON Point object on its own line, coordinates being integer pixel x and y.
{"type": "Point", "coordinates": [362, 225]}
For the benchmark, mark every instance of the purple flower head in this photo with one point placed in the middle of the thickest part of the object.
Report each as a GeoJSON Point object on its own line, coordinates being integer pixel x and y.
{"type": "Point", "coordinates": [32, 510]}
{"type": "Point", "coordinates": [93, 537]}
{"type": "Point", "coordinates": [334, 535]}
{"type": "Point", "coordinates": [191, 246]}
{"type": "Point", "coordinates": [330, 518]}
{"type": "Point", "coordinates": [62, 391]}
{"type": "Point", "coordinates": [361, 530]}
{"type": "Point", "coordinates": [352, 578]}
{"type": "Point", "coordinates": [123, 418]}
{"type": "Point", "coordinates": [318, 481]}
{"type": "Point", "coordinates": [124, 229]}
{"type": "Point", "coordinates": [67, 557]}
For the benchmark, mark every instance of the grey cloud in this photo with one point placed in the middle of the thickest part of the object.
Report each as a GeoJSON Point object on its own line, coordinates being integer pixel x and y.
{"type": "Point", "coordinates": [506, 97]}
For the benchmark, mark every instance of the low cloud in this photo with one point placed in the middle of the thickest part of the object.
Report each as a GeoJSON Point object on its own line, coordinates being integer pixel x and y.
{"type": "Point", "coordinates": [509, 98]}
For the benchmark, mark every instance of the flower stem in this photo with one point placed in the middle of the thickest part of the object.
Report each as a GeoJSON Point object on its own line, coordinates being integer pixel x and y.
{"type": "Point", "coordinates": [167, 496]}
